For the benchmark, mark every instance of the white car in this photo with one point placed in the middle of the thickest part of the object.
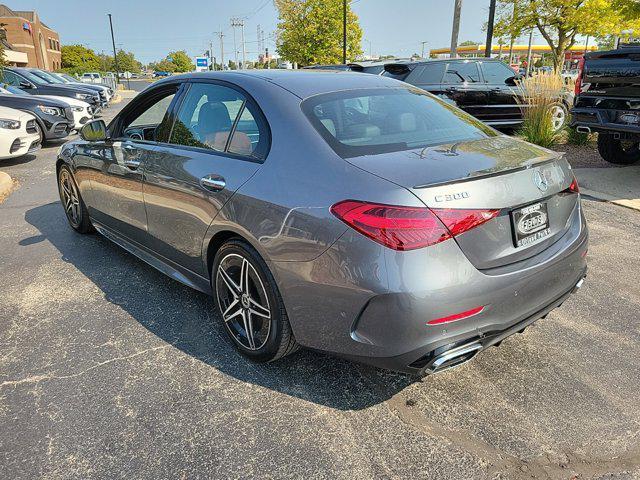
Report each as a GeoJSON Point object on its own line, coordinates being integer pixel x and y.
{"type": "Point", "coordinates": [18, 133]}
{"type": "Point", "coordinates": [82, 111]}
{"type": "Point", "coordinates": [68, 79]}
{"type": "Point", "coordinates": [91, 77]}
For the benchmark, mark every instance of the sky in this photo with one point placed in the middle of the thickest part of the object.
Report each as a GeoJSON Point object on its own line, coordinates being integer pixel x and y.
{"type": "Point", "coordinates": [152, 28]}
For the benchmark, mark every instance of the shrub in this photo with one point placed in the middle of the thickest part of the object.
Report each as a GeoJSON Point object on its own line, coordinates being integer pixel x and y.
{"type": "Point", "coordinates": [577, 138]}
{"type": "Point", "coordinates": [537, 95]}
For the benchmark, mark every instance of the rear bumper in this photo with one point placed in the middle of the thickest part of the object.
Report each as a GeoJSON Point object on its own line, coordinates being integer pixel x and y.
{"type": "Point", "coordinates": [367, 303]}
{"type": "Point", "coordinates": [600, 121]}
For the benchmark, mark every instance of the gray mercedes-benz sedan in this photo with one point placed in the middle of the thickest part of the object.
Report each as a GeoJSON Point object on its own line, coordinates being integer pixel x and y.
{"type": "Point", "coordinates": [348, 213]}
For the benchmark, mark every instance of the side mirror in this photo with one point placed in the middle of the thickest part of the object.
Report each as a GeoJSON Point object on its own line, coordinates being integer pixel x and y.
{"type": "Point", "coordinates": [513, 81]}
{"type": "Point", "coordinates": [24, 84]}
{"type": "Point", "coordinates": [94, 131]}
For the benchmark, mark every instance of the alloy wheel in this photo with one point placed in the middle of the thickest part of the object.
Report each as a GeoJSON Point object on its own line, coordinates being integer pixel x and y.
{"type": "Point", "coordinates": [243, 301]}
{"type": "Point", "coordinates": [558, 117]}
{"type": "Point", "coordinates": [70, 198]}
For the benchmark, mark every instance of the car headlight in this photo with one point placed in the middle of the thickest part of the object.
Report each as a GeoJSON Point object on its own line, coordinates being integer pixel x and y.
{"type": "Point", "coordinates": [51, 110]}
{"type": "Point", "coordinates": [12, 124]}
{"type": "Point", "coordinates": [77, 109]}
{"type": "Point", "coordinates": [83, 96]}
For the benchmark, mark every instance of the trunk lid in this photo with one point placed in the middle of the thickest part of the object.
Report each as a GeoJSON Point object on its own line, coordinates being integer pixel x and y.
{"type": "Point", "coordinates": [490, 173]}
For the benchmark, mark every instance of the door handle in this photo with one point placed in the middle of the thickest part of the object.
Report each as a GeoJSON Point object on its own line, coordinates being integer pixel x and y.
{"type": "Point", "coordinates": [213, 182]}
{"type": "Point", "coordinates": [132, 164]}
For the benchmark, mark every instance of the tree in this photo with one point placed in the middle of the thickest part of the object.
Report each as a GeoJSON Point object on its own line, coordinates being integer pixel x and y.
{"type": "Point", "coordinates": [105, 61]}
{"type": "Point", "coordinates": [3, 38]}
{"type": "Point", "coordinates": [561, 21]}
{"type": "Point", "coordinates": [163, 66]}
{"type": "Point", "coordinates": [310, 31]}
{"type": "Point", "coordinates": [181, 60]}
{"type": "Point", "coordinates": [126, 62]}
{"type": "Point", "coordinates": [467, 43]}
{"type": "Point", "coordinates": [79, 59]}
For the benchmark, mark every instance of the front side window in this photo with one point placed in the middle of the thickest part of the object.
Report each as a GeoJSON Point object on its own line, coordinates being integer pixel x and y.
{"type": "Point", "coordinates": [462, 72]}
{"type": "Point", "coordinates": [369, 122]}
{"type": "Point", "coordinates": [220, 118]}
{"type": "Point", "coordinates": [11, 78]}
{"type": "Point", "coordinates": [496, 72]}
{"type": "Point", "coordinates": [150, 120]}
{"type": "Point", "coordinates": [430, 73]}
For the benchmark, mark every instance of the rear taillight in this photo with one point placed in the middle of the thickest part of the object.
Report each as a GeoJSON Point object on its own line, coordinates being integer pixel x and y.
{"type": "Point", "coordinates": [408, 228]}
{"type": "Point", "coordinates": [578, 87]}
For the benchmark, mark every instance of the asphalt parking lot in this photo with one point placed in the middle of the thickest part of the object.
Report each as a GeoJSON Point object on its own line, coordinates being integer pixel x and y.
{"type": "Point", "coordinates": [108, 369]}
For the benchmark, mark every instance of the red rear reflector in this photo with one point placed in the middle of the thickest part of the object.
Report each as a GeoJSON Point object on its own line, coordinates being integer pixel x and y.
{"type": "Point", "coordinates": [577, 90]}
{"type": "Point", "coordinates": [457, 316]}
{"type": "Point", "coordinates": [574, 188]}
{"type": "Point", "coordinates": [399, 228]}
{"type": "Point", "coordinates": [408, 228]}
{"type": "Point", "coordinates": [459, 221]}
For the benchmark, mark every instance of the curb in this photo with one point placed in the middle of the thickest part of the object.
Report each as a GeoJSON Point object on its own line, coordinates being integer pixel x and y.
{"type": "Point", "coordinates": [6, 184]}
{"type": "Point", "coordinates": [633, 204]}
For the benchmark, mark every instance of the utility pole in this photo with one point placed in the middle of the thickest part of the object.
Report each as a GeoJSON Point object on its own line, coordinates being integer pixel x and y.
{"type": "Point", "coordinates": [423, 43]}
{"type": "Point", "coordinates": [492, 16]}
{"type": "Point", "coordinates": [344, 31]}
{"type": "Point", "coordinates": [237, 22]}
{"type": "Point", "coordinates": [212, 64]}
{"type": "Point", "coordinates": [244, 53]}
{"type": "Point", "coordinates": [221, 35]}
{"type": "Point", "coordinates": [455, 29]}
{"type": "Point", "coordinates": [115, 56]}
{"type": "Point", "coordinates": [235, 47]}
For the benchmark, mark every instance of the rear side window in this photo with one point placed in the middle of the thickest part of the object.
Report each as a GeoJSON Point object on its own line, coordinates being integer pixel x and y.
{"type": "Point", "coordinates": [430, 73]}
{"type": "Point", "coordinates": [220, 118]}
{"type": "Point", "coordinates": [369, 122]}
{"type": "Point", "coordinates": [398, 72]}
{"type": "Point", "coordinates": [462, 72]}
{"type": "Point", "coordinates": [496, 72]}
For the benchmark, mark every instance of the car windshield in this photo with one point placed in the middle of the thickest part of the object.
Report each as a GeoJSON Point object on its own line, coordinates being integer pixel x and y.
{"type": "Point", "coordinates": [33, 78]}
{"type": "Point", "coordinates": [68, 78]}
{"type": "Point", "coordinates": [368, 122]}
{"type": "Point", "coordinates": [47, 76]}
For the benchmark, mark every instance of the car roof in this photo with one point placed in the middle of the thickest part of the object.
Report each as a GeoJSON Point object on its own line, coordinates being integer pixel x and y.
{"type": "Point", "coordinates": [302, 83]}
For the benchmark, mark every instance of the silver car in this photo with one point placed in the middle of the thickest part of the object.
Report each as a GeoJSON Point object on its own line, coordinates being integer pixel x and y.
{"type": "Point", "coordinates": [348, 213]}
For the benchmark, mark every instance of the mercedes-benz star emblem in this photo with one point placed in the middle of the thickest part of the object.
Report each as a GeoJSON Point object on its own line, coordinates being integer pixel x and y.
{"type": "Point", "coordinates": [540, 181]}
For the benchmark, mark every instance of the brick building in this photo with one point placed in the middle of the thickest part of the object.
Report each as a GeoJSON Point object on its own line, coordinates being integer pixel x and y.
{"type": "Point", "coordinates": [26, 33]}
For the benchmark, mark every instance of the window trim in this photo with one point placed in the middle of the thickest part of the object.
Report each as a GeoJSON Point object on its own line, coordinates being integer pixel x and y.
{"type": "Point", "coordinates": [247, 99]}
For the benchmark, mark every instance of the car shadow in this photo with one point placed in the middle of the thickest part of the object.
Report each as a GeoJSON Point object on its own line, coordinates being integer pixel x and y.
{"type": "Point", "coordinates": [10, 162]}
{"type": "Point", "coordinates": [187, 320]}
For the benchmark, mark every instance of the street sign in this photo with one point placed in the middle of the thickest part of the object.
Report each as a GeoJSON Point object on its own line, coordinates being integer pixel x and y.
{"type": "Point", "coordinates": [202, 64]}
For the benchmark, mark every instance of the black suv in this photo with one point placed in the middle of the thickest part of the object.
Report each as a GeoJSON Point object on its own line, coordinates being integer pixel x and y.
{"type": "Point", "coordinates": [483, 87]}
{"type": "Point", "coordinates": [26, 80]}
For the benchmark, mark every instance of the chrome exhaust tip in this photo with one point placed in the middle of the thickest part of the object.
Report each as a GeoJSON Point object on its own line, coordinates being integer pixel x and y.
{"type": "Point", "coordinates": [579, 284]}
{"type": "Point", "coordinates": [583, 129]}
{"type": "Point", "coordinates": [454, 357]}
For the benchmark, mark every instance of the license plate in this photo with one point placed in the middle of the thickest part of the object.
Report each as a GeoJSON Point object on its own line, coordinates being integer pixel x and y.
{"type": "Point", "coordinates": [530, 224]}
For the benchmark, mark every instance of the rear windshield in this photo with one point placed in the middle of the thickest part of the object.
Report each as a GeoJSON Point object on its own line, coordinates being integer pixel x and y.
{"type": "Point", "coordinates": [368, 122]}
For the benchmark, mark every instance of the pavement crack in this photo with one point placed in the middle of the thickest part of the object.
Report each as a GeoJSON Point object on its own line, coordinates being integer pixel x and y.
{"type": "Point", "coordinates": [40, 378]}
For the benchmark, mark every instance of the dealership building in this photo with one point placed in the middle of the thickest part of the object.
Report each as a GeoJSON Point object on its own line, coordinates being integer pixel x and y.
{"type": "Point", "coordinates": [28, 41]}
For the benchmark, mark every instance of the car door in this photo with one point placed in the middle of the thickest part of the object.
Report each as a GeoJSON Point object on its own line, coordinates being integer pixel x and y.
{"type": "Point", "coordinates": [461, 83]}
{"type": "Point", "coordinates": [218, 141]}
{"type": "Point", "coordinates": [118, 164]}
{"type": "Point", "coordinates": [429, 77]}
{"type": "Point", "coordinates": [503, 101]}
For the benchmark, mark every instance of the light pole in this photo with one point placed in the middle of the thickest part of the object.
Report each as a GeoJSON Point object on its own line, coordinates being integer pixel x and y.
{"type": "Point", "coordinates": [492, 16]}
{"type": "Point", "coordinates": [455, 29]}
{"type": "Point", "coordinates": [115, 56]}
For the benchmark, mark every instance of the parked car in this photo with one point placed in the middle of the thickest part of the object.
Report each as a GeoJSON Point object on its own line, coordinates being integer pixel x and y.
{"type": "Point", "coordinates": [348, 213]}
{"type": "Point", "coordinates": [607, 97]}
{"type": "Point", "coordinates": [91, 77]}
{"type": "Point", "coordinates": [485, 88]}
{"type": "Point", "coordinates": [54, 119]}
{"type": "Point", "coordinates": [27, 80]}
{"type": "Point", "coordinates": [105, 92]}
{"type": "Point", "coordinates": [82, 111]}
{"type": "Point", "coordinates": [161, 74]}
{"type": "Point", "coordinates": [18, 133]}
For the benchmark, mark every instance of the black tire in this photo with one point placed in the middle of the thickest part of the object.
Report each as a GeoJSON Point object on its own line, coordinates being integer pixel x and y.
{"type": "Point", "coordinates": [269, 343]}
{"type": "Point", "coordinates": [41, 133]}
{"type": "Point", "coordinates": [74, 209]}
{"type": "Point", "coordinates": [619, 152]}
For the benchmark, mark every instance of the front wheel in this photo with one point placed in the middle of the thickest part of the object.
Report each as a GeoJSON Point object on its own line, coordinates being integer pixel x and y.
{"type": "Point", "coordinates": [250, 304]}
{"type": "Point", "coordinates": [619, 152]}
{"type": "Point", "coordinates": [74, 207]}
